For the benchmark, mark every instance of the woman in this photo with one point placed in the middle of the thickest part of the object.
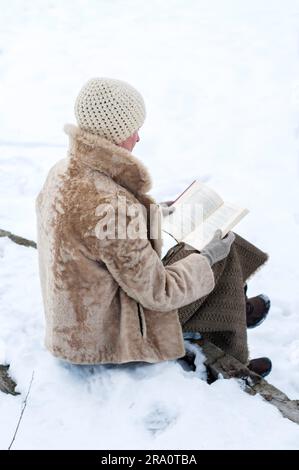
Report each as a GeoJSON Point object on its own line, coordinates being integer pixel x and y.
{"type": "Point", "coordinates": [108, 297]}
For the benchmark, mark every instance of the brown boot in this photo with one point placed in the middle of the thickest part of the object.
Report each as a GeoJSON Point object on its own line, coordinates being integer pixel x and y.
{"type": "Point", "coordinates": [261, 366]}
{"type": "Point", "coordinates": [257, 309]}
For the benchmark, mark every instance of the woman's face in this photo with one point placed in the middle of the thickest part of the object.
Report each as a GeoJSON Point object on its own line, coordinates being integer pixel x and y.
{"type": "Point", "coordinates": [130, 142]}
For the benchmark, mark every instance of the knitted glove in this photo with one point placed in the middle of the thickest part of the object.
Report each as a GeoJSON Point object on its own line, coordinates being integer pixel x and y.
{"type": "Point", "coordinates": [218, 248]}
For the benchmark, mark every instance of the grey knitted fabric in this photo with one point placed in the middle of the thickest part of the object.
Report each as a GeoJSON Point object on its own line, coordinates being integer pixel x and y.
{"type": "Point", "coordinates": [221, 316]}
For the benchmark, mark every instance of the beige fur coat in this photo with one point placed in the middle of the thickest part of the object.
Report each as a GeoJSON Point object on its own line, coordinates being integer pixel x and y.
{"type": "Point", "coordinates": [108, 300]}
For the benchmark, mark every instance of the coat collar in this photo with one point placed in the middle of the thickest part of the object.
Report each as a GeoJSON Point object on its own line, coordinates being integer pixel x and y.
{"type": "Point", "coordinates": [102, 155]}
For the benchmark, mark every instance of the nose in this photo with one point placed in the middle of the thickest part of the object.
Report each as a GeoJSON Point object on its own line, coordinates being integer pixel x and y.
{"type": "Point", "coordinates": [137, 137]}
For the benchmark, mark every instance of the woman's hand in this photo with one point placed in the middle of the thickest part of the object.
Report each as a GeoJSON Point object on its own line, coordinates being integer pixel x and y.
{"type": "Point", "coordinates": [218, 248]}
{"type": "Point", "coordinates": [166, 207]}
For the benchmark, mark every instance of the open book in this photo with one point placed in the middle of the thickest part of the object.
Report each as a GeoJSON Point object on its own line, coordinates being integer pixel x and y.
{"type": "Point", "coordinates": [199, 212]}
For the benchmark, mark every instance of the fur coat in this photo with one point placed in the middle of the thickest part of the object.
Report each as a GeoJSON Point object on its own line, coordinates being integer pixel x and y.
{"type": "Point", "coordinates": [109, 300]}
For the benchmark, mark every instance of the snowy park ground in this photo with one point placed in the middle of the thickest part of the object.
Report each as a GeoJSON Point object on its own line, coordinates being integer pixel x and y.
{"type": "Point", "coordinates": [221, 84]}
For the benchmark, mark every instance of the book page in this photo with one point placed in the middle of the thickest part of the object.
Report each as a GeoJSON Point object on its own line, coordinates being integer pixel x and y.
{"type": "Point", "coordinates": [225, 218]}
{"type": "Point", "coordinates": [200, 193]}
{"type": "Point", "coordinates": [183, 221]}
{"type": "Point", "coordinates": [192, 207]}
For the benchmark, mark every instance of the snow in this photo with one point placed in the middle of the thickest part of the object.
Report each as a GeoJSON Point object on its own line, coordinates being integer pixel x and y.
{"type": "Point", "coordinates": [220, 81]}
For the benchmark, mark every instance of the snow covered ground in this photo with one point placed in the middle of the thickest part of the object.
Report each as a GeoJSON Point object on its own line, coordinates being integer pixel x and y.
{"type": "Point", "coordinates": [220, 81]}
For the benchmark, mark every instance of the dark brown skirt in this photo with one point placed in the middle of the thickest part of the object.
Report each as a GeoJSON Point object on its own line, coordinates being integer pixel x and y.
{"type": "Point", "coordinates": [221, 316]}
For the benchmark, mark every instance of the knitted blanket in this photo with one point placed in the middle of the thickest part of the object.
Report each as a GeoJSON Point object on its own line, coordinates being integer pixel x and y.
{"type": "Point", "coordinates": [221, 316]}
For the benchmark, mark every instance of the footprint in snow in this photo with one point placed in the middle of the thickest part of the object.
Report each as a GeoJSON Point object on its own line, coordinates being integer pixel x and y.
{"type": "Point", "coordinates": [159, 419]}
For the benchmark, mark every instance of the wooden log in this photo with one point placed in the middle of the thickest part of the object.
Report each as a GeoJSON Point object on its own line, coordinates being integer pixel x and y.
{"type": "Point", "coordinates": [221, 364]}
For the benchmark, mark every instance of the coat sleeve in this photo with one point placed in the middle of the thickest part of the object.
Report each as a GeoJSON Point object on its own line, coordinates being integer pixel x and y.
{"type": "Point", "coordinates": [139, 271]}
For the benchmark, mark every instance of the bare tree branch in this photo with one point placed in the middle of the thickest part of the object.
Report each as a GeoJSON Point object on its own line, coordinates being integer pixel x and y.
{"type": "Point", "coordinates": [22, 413]}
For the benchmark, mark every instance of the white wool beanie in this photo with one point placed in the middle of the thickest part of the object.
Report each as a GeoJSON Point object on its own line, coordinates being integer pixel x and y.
{"type": "Point", "coordinates": [110, 108]}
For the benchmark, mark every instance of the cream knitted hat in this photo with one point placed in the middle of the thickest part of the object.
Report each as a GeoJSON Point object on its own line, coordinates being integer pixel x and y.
{"type": "Point", "coordinates": [110, 108]}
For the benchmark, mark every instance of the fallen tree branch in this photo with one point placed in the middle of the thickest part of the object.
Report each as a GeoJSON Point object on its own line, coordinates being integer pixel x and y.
{"type": "Point", "coordinates": [219, 363]}
{"type": "Point", "coordinates": [17, 239]}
